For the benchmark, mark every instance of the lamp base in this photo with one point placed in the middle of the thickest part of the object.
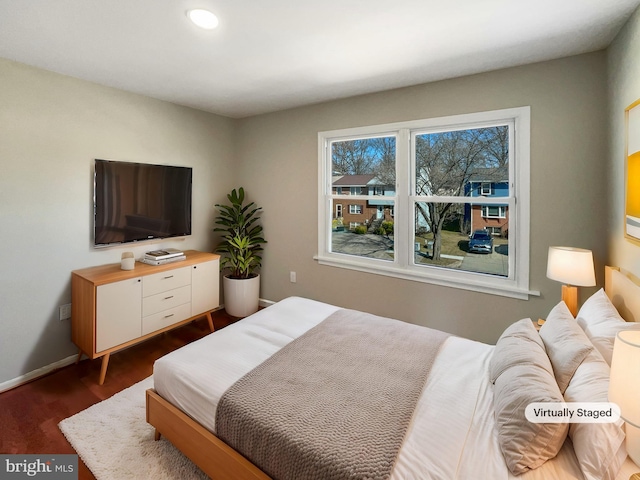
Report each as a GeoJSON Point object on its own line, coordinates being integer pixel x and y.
{"type": "Point", "coordinates": [633, 442]}
{"type": "Point", "coordinates": [570, 297]}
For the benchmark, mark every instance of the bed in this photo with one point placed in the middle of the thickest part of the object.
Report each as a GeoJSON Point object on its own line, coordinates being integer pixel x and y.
{"type": "Point", "coordinates": [460, 427]}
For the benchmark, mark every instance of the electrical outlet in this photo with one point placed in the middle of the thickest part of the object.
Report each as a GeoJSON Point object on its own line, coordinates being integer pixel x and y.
{"type": "Point", "coordinates": [65, 311]}
{"type": "Point", "coordinates": [292, 277]}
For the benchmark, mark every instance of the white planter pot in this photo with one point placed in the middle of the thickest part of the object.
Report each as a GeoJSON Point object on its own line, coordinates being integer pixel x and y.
{"type": "Point", "coordinates": [241, 297]}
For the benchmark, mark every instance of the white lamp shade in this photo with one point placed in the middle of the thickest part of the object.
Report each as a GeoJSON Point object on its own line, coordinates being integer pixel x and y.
{"type": "Point", "coordinates": [624, 382]}
{"type": "Point", "coordinates": [573, 266]}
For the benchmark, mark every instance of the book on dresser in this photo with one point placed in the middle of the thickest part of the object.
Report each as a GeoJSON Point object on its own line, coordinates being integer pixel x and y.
{"type": "Point", "coordinates": [164, 254]}
{"type": "Point", "coordinates": [162, 261]}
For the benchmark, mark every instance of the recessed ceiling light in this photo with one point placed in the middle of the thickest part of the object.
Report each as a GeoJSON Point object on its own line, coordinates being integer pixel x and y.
{"type": "Point", "coordinates": [203, 18]}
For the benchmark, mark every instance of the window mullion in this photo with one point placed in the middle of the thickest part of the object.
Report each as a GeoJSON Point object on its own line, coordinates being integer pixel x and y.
{"type": "Point", "coordinates": [404, 226]}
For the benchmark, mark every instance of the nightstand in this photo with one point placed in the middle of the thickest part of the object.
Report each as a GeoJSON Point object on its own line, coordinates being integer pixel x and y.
{"type": "Point", "coordinates": [538, 323]}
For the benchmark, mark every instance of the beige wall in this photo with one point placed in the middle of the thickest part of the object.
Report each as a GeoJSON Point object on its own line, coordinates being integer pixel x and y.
{"type": "Point", "coordinates": [278, 160]}
{"type": "Point", "coordinates": [623, 68]}
{"type": "Point", "coordinates": [51, 129]}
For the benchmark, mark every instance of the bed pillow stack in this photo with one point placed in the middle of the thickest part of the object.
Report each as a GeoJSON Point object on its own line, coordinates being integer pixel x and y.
{"type": "Point", "coordinates": [566, 344]}
{"type": "Point", "coordinates": [601, 322]}
{"type": "Point", "coordinates": [581, 370]}
{"type": "Point", "coordinates": [522, 373]}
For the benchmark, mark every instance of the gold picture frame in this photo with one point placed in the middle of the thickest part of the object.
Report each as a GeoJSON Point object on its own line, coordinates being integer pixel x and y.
{"type": "Point", "coordinates": [632, 172]}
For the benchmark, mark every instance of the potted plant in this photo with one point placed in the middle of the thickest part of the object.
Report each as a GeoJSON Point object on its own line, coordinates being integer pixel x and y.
{"type": "Point", "coordinates": [241, 248]}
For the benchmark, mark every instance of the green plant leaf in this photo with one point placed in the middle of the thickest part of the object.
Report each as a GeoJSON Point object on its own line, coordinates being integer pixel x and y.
{"type": "Point", "coordinates": [242, 237]}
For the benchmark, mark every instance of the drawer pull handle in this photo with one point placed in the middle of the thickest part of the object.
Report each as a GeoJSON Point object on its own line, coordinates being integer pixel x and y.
{"type": "Point", "coordinates": [167, 278]}
{"type": "Point", "coordinates": [167, 298]}
{"type": "Point", "coordinates": [168, 316]}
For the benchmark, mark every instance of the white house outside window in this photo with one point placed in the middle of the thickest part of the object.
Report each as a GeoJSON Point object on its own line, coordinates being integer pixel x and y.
{"type": "Point", "coordinates": [429, 172]}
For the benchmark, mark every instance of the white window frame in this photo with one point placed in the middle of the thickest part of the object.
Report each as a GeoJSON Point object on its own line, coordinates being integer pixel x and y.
{"type": "Point", "coordinates": [486, 191]}
{"type": "Point", "coordinates": [516, 285]}
{"type": "Point", "coordinates": [358, 209]}
{"type": "Point", "coordinates": [502, 211]}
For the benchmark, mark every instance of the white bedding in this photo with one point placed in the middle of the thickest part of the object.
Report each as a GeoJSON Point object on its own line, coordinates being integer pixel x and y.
{"type": "Point", "coordinates": [452, 433]}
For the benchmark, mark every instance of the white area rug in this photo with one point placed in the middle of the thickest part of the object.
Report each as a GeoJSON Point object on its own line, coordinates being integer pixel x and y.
{"type": "Point", "coordinates": [116, 443]}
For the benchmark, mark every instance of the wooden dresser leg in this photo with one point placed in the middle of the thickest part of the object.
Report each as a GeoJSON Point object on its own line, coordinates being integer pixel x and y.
{"type": "Point", "coordinates": [210, 320]}
{"type": "Point", "coordinates": [156, 435]}
{"type": "Point", "coordinates": [103, 369]}
{"type": "Point", "coordinates": [79, 356]}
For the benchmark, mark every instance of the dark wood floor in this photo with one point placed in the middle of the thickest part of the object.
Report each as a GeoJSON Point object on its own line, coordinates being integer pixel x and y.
{"type": "Point", "coordinates": [30, 413]}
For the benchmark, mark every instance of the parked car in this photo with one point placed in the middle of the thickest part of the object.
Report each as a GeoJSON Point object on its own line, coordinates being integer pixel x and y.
{"type": "Point", "coordinates": [481, 242]}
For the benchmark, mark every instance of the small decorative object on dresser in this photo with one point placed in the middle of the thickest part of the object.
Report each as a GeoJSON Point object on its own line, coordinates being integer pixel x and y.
{"type": "Point", "coordinates": [127, 261]}
{"type": "Point", "coordinates": [241, 248]}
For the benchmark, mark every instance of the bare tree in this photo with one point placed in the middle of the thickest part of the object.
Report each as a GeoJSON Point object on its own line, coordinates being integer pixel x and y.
{"type": "Point", "coordinates": [446, 163]}
{"type": "Point", "coordinates": [352, 157]}
{"type": "Point", "coordinates": [385, 152]}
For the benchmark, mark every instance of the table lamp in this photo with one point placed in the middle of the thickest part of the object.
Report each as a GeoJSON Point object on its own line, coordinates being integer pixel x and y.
{"type": "Point", "coordinates": [573, 267]}
{"type": "Point", "coordinates": [624, 386]}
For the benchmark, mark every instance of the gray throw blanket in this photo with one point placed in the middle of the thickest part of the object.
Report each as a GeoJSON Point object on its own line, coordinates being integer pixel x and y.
{"type": "Point", "coordinates": [333, 404]}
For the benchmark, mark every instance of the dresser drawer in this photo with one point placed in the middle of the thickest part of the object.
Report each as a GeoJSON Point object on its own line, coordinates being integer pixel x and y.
{"type": "Point", "coordinates": [166, 318]}
{"type": "Point", "coordinates": [163, 281]}
{"type": "Point", "coordinates": [166, 300]}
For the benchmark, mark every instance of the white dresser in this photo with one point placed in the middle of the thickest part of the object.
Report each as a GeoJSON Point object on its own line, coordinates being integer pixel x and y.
{"type": "Point", "coordinates": [112, 308]}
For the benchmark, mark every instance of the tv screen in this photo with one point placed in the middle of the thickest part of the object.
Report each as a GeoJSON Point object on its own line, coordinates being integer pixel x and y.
{"type": "Point", "coordinates": [140, 201]}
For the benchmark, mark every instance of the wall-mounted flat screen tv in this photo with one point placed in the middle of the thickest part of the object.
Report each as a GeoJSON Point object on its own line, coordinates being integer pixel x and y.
{"type": "Point", "coordinates": [140, 201]}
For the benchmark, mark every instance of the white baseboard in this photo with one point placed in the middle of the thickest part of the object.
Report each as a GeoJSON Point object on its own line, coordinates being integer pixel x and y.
{"type": "Point", "coordinates": [39, 372]}
{"type": "Point", "coordinates": [265, 303]}
{"type": "Point", "coordinates": [261, 302]}
{"type": "Point", "coordinates": [27, 377]}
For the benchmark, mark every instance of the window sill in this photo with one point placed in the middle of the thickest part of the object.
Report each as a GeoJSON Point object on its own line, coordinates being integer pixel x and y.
{"type": "Point", "coordinates": [472, 281]}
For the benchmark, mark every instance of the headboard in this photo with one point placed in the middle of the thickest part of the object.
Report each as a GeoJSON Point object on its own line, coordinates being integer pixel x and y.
{"type": "Point", "coordinates": [623, 289]}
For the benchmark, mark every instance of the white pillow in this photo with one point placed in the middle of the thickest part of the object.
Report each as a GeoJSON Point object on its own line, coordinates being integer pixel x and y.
{"type": "Point", "coordinates": [601, 322]}
{"type": "Point", "coordinates": [522, 374]}
{"type": "Point", "coordinates": [599, 447]}
{"type": "Point", "coordinates": [565, 343]}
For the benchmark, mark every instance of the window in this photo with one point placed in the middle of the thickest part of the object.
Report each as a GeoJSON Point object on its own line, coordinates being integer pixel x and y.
{"type": "Point", "coordinates": [355, 209]}
{"type": "Point", "coordinates": [432, 183]}
{"type": "Point", "coordinates": [494, 211]}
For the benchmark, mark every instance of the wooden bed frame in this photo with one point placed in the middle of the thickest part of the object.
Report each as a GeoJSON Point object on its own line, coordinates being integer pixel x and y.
{"type": "Point", "coordinates": [212, 455]}
{"type": "Point", "coordinates": [621, 287]}
{"type": "Point", "coordinates": [221, 462]}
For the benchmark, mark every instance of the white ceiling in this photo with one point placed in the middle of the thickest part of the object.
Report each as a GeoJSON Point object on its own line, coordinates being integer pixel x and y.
{"type": "Point", "coordinates": [271, 55]}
